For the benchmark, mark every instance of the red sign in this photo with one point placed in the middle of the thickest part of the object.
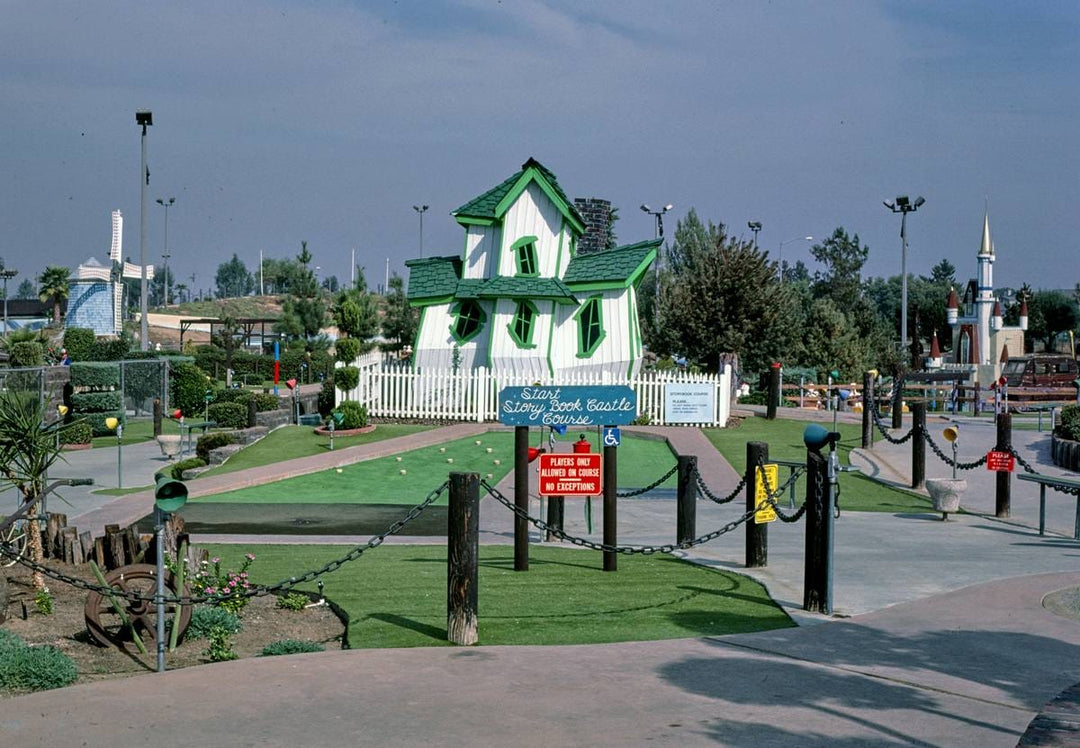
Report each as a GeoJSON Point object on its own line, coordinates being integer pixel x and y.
{"type": "Point", "coordinates": [578, 474]}
{"type": "Point", "coordinates": [1002, 462]}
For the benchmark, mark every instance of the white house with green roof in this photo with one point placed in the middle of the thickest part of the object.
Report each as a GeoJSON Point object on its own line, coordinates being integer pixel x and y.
{"type": "Point", "coordinates": [519, 298]}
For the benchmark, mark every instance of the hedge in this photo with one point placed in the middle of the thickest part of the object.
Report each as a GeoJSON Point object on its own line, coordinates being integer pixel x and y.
{"type": "Point", "coordinates": [1069, 423]}
{"type": "Point", "coordinates": [228, 415]}
{"type": "Point", "coordinates": [97, 422]}
{"type": "Point", "coordinates": [29, 353]}
{"type": "Point", "coordinates": [79, 342]}
{"type": "Point", "coordinates": [93, 402]}
{"type": "Point", "coordinates": [95, 375]}
{"type": "Point", "coordinates": [77, 432]}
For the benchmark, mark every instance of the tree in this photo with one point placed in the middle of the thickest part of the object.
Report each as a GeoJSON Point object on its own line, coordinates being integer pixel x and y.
{"type": "Point", "coordinates": [843, 257]}
{"type": "Point", "coordinates": [303, 313]}
{"type": "Point", "coordinates": [226, 338]}
{"type": "Point", "coordinates": [330, 284]}
{"type": "Point", "coordinates": [1049, 314]}
{"type": "Point", "coordinates": [25, 290]}
{"type": "Point", "coordinates": [54, 287]}
{"type": "Point", "coordinates": [400, 321]}
{"type": "Point", "coordinates": [180, 290]}
{"type": "Point", "coordinates": [233, 279]}
{"type": "Point", "coordinates": [356, 314]}
{"type": "Point", "coordinates": [28, 448]}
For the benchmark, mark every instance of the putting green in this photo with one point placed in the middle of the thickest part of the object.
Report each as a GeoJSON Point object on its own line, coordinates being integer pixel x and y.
{"type": "Point", "coordinates": [409, 477]}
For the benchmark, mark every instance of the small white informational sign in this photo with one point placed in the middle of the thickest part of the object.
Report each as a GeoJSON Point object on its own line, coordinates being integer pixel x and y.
{"type": "Point", "coordinates": [689, 403]}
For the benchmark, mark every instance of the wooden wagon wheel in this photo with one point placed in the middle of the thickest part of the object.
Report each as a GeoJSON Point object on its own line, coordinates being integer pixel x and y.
{"type": "Point", "coordinates": [16, 540]}
{"type": "Point", "coordinates": [107, 626]}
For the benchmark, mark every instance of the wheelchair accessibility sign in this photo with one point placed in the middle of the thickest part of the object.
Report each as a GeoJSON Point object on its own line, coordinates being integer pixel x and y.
{"type": "Point", "coordinates": [612, 436]}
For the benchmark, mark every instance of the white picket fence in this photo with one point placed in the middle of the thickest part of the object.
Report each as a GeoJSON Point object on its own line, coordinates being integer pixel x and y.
{"type": "Point", "coordinates": [392, 390]}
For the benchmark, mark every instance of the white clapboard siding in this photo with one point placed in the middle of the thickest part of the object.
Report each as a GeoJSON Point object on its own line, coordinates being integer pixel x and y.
{"type": "Point", "coordinates": [394, 390]}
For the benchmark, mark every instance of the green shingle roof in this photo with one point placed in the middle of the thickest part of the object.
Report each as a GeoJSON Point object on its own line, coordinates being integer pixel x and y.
{"type": "Point", "coordinates": [433, 277]}
{"type": "Point", "coordinates": [503, 287]}
{"type": "Point", "coordinates": [485, 205]}
{"type": "Point", "coordinates": [620, 265]}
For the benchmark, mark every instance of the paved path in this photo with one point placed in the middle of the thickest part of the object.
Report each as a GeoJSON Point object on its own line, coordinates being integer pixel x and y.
{"type": "Point", "coordinates": [948, 644]}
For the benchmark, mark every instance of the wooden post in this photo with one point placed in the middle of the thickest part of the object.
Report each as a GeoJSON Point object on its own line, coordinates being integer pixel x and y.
{"type": "Point", "coordinates": [157, 417]}
{"type": "Point", "coordinates": [918, 445]}
{"type": "Point", "coordinates": [686, 500]}
{"type": "Point", "coordinates": [556, 511]}
{"type": "Point", "coordinates": [611, 527]}
{"type": "Point", "coordinates": [462, 555]}
{"type": "Point", "coordinates": [815, 561]}
{"type": "Point", "coordinates": [521, 497]}
{"type": "Point", "coordinates": [253, 414]}
{"type": "Point", "coordinates": [898, 402]}
{"type": "Point", "coordinates": [757, 536]}
{"type": "Point", "coordinates": [1003, 502]}
{"type": "Point", "coordinates": [773, 399]}
{"type": "Point", "coordinates": [54, 526]}
{"type": "Point", "coordinates": [867, 410]}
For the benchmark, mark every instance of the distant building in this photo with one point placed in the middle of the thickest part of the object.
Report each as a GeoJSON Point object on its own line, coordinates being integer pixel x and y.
{"type": "Point", "coordinates": [979, 336]}
{"type": "Point", "coordinates": [522, 297]}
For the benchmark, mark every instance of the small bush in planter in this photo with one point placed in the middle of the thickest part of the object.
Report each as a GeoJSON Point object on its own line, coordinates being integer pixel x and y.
{"type": "Point", "coordinates": [205, 618]}
{"type": "Point", "coordinates": [291, 646]}
{"type": "Point", "coordinates": [177, 470]}
{"type": "Point", "coordinates": [293, 601]}
{"type": "Point", "coordinates": [354, 415]}
{"type": "Point", "coordinates": [228, 415]}
{"type": "Point", "coordinates": [1069, 423]}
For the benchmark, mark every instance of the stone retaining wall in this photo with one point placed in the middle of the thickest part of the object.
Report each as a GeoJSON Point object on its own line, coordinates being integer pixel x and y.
{"type": "Point", "coordinates": [1065, 453]}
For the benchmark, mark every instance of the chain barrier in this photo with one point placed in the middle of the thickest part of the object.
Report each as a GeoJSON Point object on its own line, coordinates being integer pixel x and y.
{"type": "Point", "coordinates": [257, 591]}
{"type": "Point", "coordinates": [948, 460]}
{"type": "Point", "coordinates": [703, 490]}
{"type": "Point", "coordinates": [626, 550]}
{"type": "Point", "coordinates": [1029, 468]}
{"type": "Point", "coordinates": [651, 486]}
{"type": "Point", "coordinates": [771, 496]}
{"type": "Point", "coordinates": [884, 432]}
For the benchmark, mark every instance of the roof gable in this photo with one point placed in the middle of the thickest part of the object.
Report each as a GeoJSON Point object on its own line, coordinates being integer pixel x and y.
{"type": "Point", "coordinates": [620, 266]}
{"type": "Point", "coordinates": [493, 204]}
{"type": "Point", "coordinates": [432, 278]}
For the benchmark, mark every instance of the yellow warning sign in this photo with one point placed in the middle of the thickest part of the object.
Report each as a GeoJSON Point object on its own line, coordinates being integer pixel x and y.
{"type": "Point", "coordinates": [768, 478]}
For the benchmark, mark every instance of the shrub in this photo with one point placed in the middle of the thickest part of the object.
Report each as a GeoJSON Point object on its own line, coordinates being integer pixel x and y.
{"type": "Point", "coordinates": [95, 375]}
{"type": "Point", "coordinates": [187, 389]}
{"type": "Point", "coordinates": [36, 669]}
{"type": "Point", "coordinates": [1069, 423]}
{"type": "Point", "coordinates": [290, 646]}
{"type": "Point", "coordinates": [326, 397]}
{"type": "Point", "coordinates": [229, 415]}
{"type": "Point", "coordinates": [177, 470]}
{"type": "Point", "coordinates": [221, 647]}
{"type": "Point", "coordinates": [225, 395]}
{"type": "Point", "coordinates": [227, 587]}
{"type": "Point", "coordinates": [28, 353]}
{"type": "Point", "coordinates": [265, 401]}
{"type": "Point", "coordinates": [112, 349]}
{"type": "Point", "coordinates": [79, 341]}
{"type": "Point", "coordinates": [97, 422]}
{"type": "Point", "coordinates": [210, 442]}
{"type": "Point", "coordinates": [347, 349]}
{"type": "Point", "coordinates": [346, 378]}
{"type": "Point", "coordinates": [205, 618]}
{"type": "Point", "coordinates": [96, 402]}
{"type": "Point", "coordinates": [355, 415]}
{"type": "Point", "coordinates": [77, 432]}
{"type": "Point", "coordinates": [9, 642]}
{"type": "Point", "coordinates": [293, 601]}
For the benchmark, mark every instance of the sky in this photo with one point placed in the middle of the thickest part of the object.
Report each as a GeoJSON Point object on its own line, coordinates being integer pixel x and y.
{"type": "Point", "coordinates": [277, 122]}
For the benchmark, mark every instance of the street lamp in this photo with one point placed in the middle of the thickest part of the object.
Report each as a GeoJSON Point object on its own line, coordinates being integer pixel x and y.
{"type": "Point", "coordinates": [903, 206]}
{"type": "Point", "coordinates": [755, 226]}
{"type": "Point", "coordinates": [7, 275]}
{"type": "Point", "coordinates": [659, 214]}
{"type": "Point", "coordinates": [780, 254]}
{"type": "Point", "coordinates": [144, 119]}
{"type": "Point", "coordinates": [165, 255]}
{"type": "Point", "coordinates": [421, 209]}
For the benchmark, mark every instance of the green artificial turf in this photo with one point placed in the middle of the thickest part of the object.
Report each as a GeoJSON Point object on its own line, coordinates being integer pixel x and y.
{"type": "Point", "coordinates": [136, 431]}
{"type": "Point", "coordinates": [395, 596]}
{"type": "Point", "coordinates": [291, 442]}
{"type": "Point", "coordinates": [380, 481]}
{"type": "Point", "coordinates": [785, 439]}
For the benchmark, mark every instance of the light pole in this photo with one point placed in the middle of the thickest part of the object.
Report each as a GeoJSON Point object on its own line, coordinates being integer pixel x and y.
{"type": "Point", "coordinates": [780, 254]}
{"type": "Point", "coordinates": [755, 226]}
{"type": "Point", "coordinates": [659, 215]}
{"type": "Point", "coordinates": [7, 275]}
{"type": "Point", "coordinates": [421, 209]}
{"type": "Point", "coordinates": [903, 206]}
{"type": "Point", "coordinates": [144, 119]}
{"type": "Point", "coordinates": [165, 255]}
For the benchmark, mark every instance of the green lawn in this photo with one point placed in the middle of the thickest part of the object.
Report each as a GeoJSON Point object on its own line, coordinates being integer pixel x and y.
{"type": "Point", "coordinates": [395, 596]}
{"type": "Point", "coordinates": [382, 481]}
{"type": "Point", "coordinates": [857, 492]}
{"type": "Point", "coordinates": [290, 442]}
{"type": "Point", "coordinates": [136, 431]}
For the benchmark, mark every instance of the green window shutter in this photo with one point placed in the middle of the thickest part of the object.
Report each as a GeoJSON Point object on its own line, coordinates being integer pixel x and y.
{"type": "Point", "coordinates": [469, 319]}
{"type": "Point", "coordinates": [524, 323]}
{"type": "Point", "coordinates": [525, 259]}
{"type": "Point", "coordinates": [590, 323]}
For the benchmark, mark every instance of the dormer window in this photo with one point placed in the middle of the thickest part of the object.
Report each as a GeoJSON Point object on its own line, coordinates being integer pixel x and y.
{"type": "Point", "coordinates": [468, 319]}
{"type": "Point", "coordinates": [524, 250]}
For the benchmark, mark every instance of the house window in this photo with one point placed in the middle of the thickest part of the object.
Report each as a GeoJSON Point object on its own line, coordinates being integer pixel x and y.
{"type": "Point", "coordinates": [521, 327]}
{"type": "Point", "coordinates": [524, 250]}
{"type": "Point", "coordinates": [590, 327]}
{"type": "Point", "coordinates": [468, 319]}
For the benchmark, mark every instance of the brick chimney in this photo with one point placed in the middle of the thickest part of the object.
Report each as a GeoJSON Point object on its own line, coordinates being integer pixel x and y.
{"type": "Point", "coordinates": [597, 214]}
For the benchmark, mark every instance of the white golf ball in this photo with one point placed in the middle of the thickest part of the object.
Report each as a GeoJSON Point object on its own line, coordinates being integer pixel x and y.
{"type": "Point", "coordinates": [497, 462]}
{"type": "Point", "coordinates": [489, 450]}
{"type": "Point", "coordinates": [403, 471]}
{"type": "Point", "coordinates": [339, 470]}
{"type": "Point", "coordinates": [398, 459]}
{"type": "Point", "coordinates": [450, 460]}
{"type": "Point", "coordinates": [442, 449]}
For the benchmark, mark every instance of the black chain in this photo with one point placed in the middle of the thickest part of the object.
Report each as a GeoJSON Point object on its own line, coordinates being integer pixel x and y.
{"type": "Point", "coordinates": [651, 486]}
{"type": "Point", "coordinates": [1029, 468]}
{"type": "Point", "coordinates": [771, 496]}
{"type": "Point", "coordinates": [880, 427]}
{"type": "Point", "coordinates": [948, 460]}
{"type": "Point", "coordinates": [627, 550]}
{"type": "Point", "coordinates": [704, 490]}
{"type": "Point", "coordinates": [257, 591]}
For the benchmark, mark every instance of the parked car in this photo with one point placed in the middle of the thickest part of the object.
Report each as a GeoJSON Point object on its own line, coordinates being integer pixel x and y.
{"type": "Point", "coordinates": [1041, 370]}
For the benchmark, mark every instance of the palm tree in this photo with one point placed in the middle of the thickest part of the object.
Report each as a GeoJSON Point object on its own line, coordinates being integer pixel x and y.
{"type": "Point", "coordinates": [179, 289]}
{"type": "Point", "coordinates": [54, 288]}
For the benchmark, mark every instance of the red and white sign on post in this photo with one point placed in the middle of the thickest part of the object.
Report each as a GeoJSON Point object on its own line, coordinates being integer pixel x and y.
{"type": "Point", "coordinates": [577, 474]}
{"type": "Point", "coordinates": [1000, 461]}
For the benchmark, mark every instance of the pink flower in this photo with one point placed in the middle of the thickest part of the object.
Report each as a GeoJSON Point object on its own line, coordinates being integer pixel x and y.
{"type": "Point", "coordinates": [250, 556]}
{"type": "Point", "coordinates": [209, 590]}
{"type": "Point", "coordinates": [214, 560]}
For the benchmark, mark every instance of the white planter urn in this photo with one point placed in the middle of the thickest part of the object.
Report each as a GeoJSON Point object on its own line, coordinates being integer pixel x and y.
{"type": "Point", "coordinates": [945, 493]}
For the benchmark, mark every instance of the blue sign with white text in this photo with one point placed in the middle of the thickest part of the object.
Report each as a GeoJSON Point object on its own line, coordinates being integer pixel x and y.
{"type": "Point", "coordinates": [555, 406]}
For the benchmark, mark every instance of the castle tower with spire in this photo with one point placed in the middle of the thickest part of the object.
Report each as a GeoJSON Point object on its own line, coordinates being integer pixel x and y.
{"type": "Point", "coordinates": [979, 334]}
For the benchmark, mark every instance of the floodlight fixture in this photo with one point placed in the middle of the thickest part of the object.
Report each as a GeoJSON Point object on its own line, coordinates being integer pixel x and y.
{"type": "Point", "coordinates": [144, 117]}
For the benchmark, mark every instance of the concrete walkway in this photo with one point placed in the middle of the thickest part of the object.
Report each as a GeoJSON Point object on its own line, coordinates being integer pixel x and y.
{"type": "Point", "coordinates": [948, 643]}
